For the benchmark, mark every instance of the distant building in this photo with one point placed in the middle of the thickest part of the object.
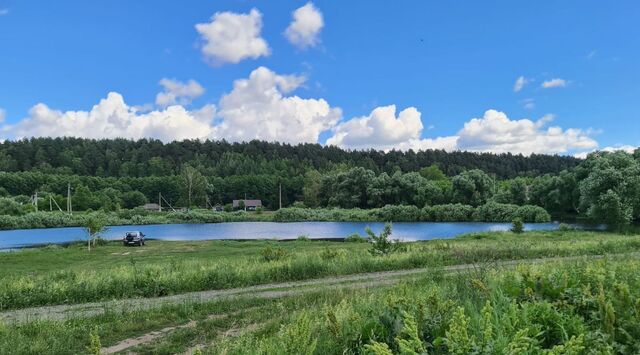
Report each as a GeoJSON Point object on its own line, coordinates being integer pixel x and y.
{"type": "Point", "coordinates": [250, 205]}
{"type": "Point", "coordinates": [151, 207]}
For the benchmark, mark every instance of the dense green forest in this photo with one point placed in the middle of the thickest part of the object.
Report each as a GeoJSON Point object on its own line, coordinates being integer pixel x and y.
{"type": "Point", "coordinates": [114, 174]}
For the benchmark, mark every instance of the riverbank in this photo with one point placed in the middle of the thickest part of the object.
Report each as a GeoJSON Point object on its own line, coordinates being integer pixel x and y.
{"type": "Point", "coordinates": [55, 275]}
{"type": "Point", "coordinates": [491, 212]}
{"type": "Point", "coordinates": [500, 296]}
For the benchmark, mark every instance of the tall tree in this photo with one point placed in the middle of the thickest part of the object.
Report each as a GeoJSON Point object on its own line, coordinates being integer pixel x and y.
{"type": "Point", "coordinates": [194, 184]}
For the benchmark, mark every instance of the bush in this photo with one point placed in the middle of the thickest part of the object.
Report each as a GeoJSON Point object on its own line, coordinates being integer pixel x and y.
{"type": "Point", "coordinates": [563, 227]}
{"type": "Point", "coordinates": [382, 244]}
{"type": "Point", "coordinates": [391, 213]}
{"type": "Point", "coordinates": [502, 212]}
{"type": "Point", "coordinates": [355, 238]}
{"type": "Point", "coordinates": [303, 238]}
{"type": "Point", "coordinates": [274, 254]}
{"type": "Point", "coordinates": [330, 254]}
{"type": "Point", "coordinates": [517, 226]}
{"type": "Point", "coordinates": [10, 207]}
{"type": "Point", "coordinates": [495, 212]}
{"type": "Point", "coordinates": [447, 213]}
{"type": "Point", "coordinates": [530, 213]}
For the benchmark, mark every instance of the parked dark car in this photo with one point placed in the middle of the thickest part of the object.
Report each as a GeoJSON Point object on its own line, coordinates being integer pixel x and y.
{"type": "Point", "coordinates": [133, 238]}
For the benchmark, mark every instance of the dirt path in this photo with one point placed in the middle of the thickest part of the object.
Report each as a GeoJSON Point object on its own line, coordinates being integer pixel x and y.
{"type": "Point", "coordinates": [274, 290]}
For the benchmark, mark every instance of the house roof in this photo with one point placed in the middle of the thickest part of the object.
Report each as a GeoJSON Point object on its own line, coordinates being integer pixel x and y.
{"type": "Point", "coordinates": [248, 203]}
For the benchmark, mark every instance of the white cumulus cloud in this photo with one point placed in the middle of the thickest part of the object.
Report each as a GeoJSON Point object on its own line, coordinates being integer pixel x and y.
{"type": "Point", "coordinates": [231, 37]}
{"type": "Point", "coordinates": [520, 83]}
{"type": "Point", "coordinates": [496, 133]}
{"type": "Point", "coordinates": [304, 30]}
{"type": "Point", "coordinates": [177, 92]}
{"type": "Point", "coordinates": [113, 118]}
{"type": "Point", "coordinates": [554, 83]}
{"type": "Point", "coordinates": [381, 129]}
{"type": "Point", "coordinates": [259, 107]}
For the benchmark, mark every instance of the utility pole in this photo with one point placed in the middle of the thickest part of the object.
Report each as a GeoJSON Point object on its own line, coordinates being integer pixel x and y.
{"type": "Point", "coordinates": [159, 201]}
{"type": "Point", "coordinates": [245, 202]}
{"type": "Point", "coordinates": [50, 204]}
{"type": "Point", "coordinates": [280, 194]}
{"type": "Point", "coordinates": [35, 200]}
{"type": "Point", "coordinates": [69, 208]}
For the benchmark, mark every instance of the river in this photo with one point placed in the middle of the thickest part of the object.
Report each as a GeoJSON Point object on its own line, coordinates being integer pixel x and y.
{"type": "Point", "coordinates": [407, 231]}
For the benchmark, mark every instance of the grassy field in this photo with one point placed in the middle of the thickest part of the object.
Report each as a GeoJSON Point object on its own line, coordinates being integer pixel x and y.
{"type": "Point", "coordinates": [57, 275]}
{"type": "Point", "coordinates": [570, 307]}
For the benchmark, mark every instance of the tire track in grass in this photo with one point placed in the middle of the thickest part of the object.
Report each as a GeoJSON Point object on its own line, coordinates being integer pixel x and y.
{"type": "Point", "coordinates": [273, 290]}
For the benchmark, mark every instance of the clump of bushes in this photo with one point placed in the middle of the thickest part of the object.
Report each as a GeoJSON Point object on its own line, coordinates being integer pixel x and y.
{"type": "Point", "coordinates": [330, 254]}
{"type": "Point", "coordinates": [303, 238]}
{"type": "Point", "coordinates": [274, 254]}
{"type": "Point", "coordinates": [399, 213]}
{"type": "Point", "coordinates": [517, 226]}
{"type": "Point", "coordinates": [448, 213]}
{"type": "Point", "coordinates": [355, 238]}
{"type": "Point", "coordinates": [382, 244]}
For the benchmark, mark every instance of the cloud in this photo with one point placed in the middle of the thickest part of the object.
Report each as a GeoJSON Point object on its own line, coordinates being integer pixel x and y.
{"type": "Point", "coordinates": [3, 115]}
{"type": "Point", "coordinates": [528, 104]}
{"type": "Point", "coordinates": [520, 83]}
{"type": "Point", "coordinates": [304, 30]}
{"type": "Point", "coordinates": [177, 92]}
{"type": "Point", "coordinates": [496, 133]}
{"type": "Point", "coordinates": [4, 12]}
{"type": "Point", "coordinates": [554, 83]}
{"type": "Point", "coordinates": [381, 129]}
{"type": "Point", "coordinates": [113, 118]}
{"type": "Point", "coordinates": [231, 37]}
{"type": "Point", "coordinates": [259, 108]}
{"type": "Point", "coordinates": [625, 148]}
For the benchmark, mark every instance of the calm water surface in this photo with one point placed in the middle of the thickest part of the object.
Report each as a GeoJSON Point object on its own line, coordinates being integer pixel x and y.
{"type": "Point", "coordinates": [259, 230]}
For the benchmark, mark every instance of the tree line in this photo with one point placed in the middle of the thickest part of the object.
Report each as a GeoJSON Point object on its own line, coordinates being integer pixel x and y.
{"type": "Point", "coordinates": [149, 157]}
{"type": "Point", "coordinates": [604, 187]}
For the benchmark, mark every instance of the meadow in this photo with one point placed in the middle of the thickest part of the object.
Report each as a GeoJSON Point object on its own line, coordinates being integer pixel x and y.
{"type": "Point", "coordinates": [56, 275]}
{"type": "Point", "coordinates": [577, 307]}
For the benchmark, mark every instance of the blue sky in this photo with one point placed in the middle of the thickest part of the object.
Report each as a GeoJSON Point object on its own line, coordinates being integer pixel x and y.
{"type": "Point", "coordinates": [441, 64]}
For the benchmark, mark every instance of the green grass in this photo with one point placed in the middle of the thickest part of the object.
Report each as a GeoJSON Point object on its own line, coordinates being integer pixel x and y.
{"type": "Point", "coordinates": [588, 307]}
{"type": "Point", "coordinates": [578, 307]}
{"type": "Point", "coordinates": [58, 275]}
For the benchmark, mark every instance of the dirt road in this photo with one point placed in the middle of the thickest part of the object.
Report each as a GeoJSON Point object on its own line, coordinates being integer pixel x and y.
{"type": "Point", "coordinates": [274, 290]}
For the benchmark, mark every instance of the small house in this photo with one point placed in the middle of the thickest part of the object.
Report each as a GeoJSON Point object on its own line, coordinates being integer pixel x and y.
{"type": "Point", "coordinates": [151, 207]}
{"type": "Point", "coordinates": [250, 205]}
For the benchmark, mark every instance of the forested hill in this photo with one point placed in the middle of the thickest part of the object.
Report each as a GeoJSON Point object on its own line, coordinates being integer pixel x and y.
{"type": "Point", "coordinates": [146, 157]}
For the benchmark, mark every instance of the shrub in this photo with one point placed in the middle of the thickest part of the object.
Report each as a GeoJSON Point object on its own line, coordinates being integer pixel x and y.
{"type": "Point", "coordinates": [303, 238]}
{"type": "Point", "coordinates": [495, 212]}
{"type": "Point", "coordinates": [447, 213]}
{"type": "Point", "coordinates": [10, 207]}
{"type": "Point", "coordinates": [517, 226]}
{"type": "Point", "coordinates": [355, 238]}
{"type": "Point", "coordinates": [94, 348]}
{"type": "Point", "coordinates": [274, 254]}
{"type": "Point", "coordinates": [391, 213]}
{"type": "Point", "coordinates": [330, 254]}
{"type": "Point", "coordinates": [382, 244]}
{"type": "Point", "coordinates": [298, 204]}
{"type": "Point", "coordinates": [530, 213]}
{"type": "Point", "coordinates": [563, 227]}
